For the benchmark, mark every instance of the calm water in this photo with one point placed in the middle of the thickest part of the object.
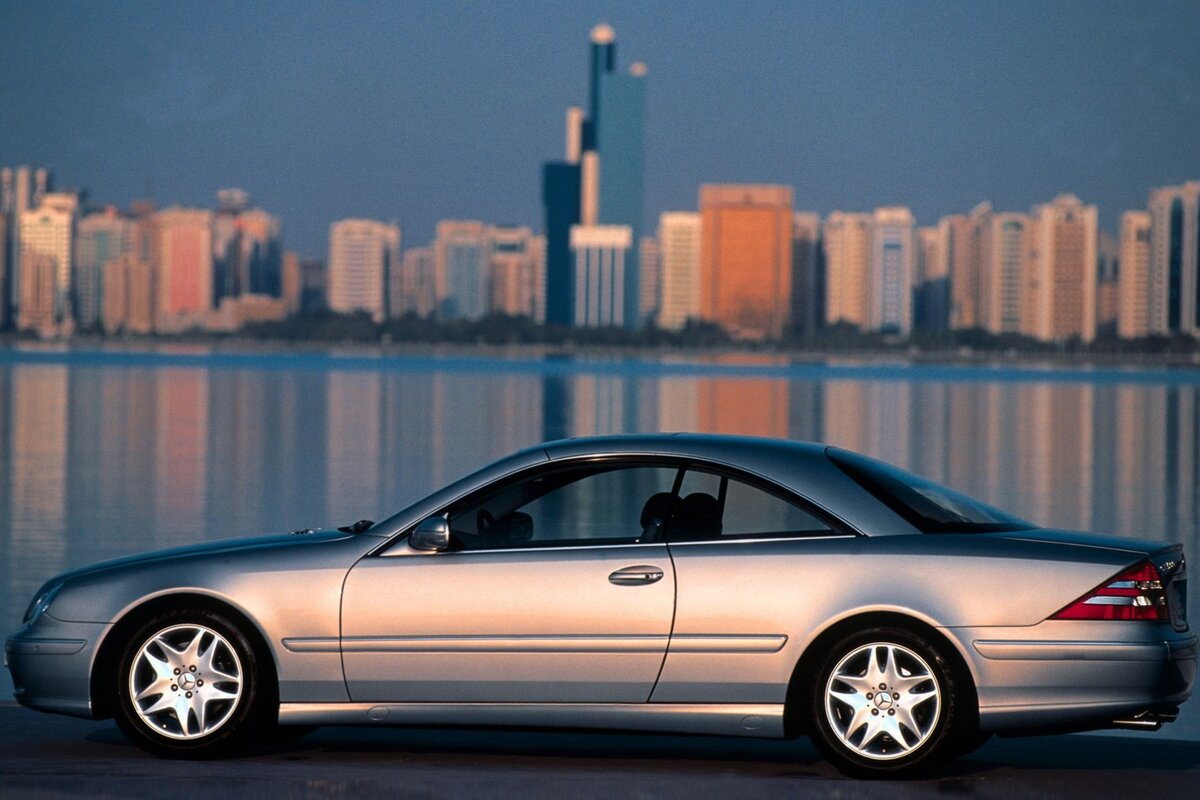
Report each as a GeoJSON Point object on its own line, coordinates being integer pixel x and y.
{"type": "Point", "coordinates": [104, 454]}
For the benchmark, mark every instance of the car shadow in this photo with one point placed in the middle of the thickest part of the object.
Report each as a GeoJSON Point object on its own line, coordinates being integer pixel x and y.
{"type": "Point", "coordinates": [1064, 755]}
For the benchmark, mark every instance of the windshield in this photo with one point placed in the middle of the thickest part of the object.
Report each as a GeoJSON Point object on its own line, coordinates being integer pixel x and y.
{"type": "Point", "coordinates": [927, 506]}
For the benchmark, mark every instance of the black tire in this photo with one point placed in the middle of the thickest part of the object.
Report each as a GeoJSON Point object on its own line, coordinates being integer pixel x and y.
{"type": "Point", "coordinates": [869, 729]}
{"type": "Point", "coordinates": [222, 715]}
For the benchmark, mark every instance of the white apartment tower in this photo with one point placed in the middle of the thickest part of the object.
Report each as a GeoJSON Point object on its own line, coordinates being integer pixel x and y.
{"type": "Point", "coordinates": [1175, 259]}
{"type": "Point", "coordinates": [847, 238]}
{"type": "Point", "coordinates": [1063, 271]}
{"type": "Point", "coordinates": [679, 268]}
{"type": "Point", "coordinates": [361, 252]}
{"type": "Point", "coordinates": [463, 255]}
{"type": "Point", "coordinates": [893, 258]}
{"type": "Point", "coordinates": [1133, 280]}
{"type": "Point", "coordinates": [49, 231]}
{"type": "Point", "coordinates": [601, 254]}
{"type": "Point", "coordinates": [1002, 260]}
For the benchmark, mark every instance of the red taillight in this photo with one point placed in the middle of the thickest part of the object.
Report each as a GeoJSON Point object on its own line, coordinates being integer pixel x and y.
{"type": "Point", "coordinates": [1136, 593]}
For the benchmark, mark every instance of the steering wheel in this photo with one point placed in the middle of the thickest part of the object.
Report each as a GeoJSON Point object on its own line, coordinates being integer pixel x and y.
{"type": "Point", "coordinates": [484, 521]}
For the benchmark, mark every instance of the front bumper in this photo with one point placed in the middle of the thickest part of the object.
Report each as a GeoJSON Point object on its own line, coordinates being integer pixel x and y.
{"type": "Point", "coordinates": [51, 665]}
{"type": "Point", "coordinates": [1075, 675]}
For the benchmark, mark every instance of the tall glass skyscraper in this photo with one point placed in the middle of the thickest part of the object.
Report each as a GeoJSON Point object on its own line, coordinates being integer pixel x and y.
{"type": "Point", "coordinates": [560, 198]}
{"type": "Point", "coordinates": [610, 188]}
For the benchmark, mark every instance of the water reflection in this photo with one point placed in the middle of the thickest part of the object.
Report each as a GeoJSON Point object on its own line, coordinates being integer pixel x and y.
{"type": "Point", "coordinates": [101, 460]}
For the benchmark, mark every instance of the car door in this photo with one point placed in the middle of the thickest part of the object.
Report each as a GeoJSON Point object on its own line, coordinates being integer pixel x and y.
{"type": "Point", "coordinates": [751, 561]}
{"type": "Point", "coordinates": [552, 591]}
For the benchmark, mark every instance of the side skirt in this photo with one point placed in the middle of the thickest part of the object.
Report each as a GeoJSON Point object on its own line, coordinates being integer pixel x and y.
{"type": "Point", "coordinates": [754, 720]}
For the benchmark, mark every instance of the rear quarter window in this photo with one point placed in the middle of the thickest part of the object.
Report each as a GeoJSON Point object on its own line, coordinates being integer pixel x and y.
{"type": "Point", "coordinates": [928, 506]}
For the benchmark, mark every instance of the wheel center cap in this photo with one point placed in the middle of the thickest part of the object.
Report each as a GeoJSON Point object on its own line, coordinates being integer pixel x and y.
{"type": "Point", "coordinates": [883, 701]}
{"type": "Point", "coordinates": [187, 681]}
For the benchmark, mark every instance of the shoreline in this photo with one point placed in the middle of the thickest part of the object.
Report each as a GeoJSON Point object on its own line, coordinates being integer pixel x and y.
{"type": "Point", "coordinates": [768, 355]}
{"type": "Point", "coordinates": [631, 362]}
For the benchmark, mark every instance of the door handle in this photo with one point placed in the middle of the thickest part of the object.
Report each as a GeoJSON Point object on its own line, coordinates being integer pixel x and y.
{"type": "Point", "coordinates": [637, 575]}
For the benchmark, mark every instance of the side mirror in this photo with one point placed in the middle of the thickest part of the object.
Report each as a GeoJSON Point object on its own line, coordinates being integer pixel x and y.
{"type": "Point", "coordinates": [432, 534]}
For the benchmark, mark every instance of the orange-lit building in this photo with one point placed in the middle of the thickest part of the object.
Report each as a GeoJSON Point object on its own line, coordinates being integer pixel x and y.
{"type": "Point", "coordinates": [746, 258]}
{"type": "Point", "coordinates": [183, 256]}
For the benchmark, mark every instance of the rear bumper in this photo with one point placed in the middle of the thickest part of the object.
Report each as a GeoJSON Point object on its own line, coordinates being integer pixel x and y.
{"type": "Point", "coordinates": [51, 665]}
{"type": "Point", "coordinates": [1078, 682]}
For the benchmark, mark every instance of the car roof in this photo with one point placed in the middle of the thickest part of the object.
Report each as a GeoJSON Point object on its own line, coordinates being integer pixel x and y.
{"type": "Point", "coordinates": [698, 445]}
{"type": "Point", "coordinates": [800, 467]}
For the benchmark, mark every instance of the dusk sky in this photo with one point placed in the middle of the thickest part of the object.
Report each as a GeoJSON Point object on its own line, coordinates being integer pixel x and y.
{"type": "Point", "coordinates": [420, 111]}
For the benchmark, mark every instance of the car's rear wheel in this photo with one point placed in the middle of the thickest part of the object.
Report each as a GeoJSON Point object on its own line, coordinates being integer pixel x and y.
{"type": "Point", "coordinates": [188, 686]}
{"type": "Point", "coordinates": [885, 703]}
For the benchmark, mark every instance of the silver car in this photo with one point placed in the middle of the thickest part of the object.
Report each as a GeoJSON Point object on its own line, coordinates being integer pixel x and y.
{"type": "Point", "coordinates": [679, 583]}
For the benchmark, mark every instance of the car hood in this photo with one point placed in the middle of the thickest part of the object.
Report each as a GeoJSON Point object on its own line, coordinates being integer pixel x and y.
{"type": "Point", "coordinates": [282, 543]}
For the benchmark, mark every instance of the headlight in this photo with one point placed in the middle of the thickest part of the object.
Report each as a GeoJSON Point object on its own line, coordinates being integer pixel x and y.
{"type": "Point", "coordinates": [42, 602]}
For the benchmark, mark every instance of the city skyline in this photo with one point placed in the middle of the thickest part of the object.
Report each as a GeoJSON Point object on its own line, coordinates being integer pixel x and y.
{"type": "Point", "coordinates": [1000, 105]}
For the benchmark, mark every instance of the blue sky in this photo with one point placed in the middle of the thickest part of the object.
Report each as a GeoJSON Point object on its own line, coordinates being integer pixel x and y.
{"type": "Point", "coordinates": [418, 111]}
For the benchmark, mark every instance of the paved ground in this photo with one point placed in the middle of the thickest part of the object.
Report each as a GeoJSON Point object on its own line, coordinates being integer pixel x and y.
{"type": "Point", "coordinates": [46, 756]}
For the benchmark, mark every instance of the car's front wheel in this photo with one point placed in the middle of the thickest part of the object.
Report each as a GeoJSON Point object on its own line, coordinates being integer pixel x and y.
{"type": "Point", "coordinates": [885, 704]}
{"type": "Point", "coordinates": [188, 685]}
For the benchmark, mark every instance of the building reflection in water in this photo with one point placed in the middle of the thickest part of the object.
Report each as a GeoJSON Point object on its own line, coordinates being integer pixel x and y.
{"type": "Point", "coordinates": [100, 461]}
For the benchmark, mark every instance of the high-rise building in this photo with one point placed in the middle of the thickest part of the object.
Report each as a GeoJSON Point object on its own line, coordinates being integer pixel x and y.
{"type": "Point", "coordinates": [49, 230]}
{"type": "Point", "coordinates": [931, 297]}
{"type": "Point", "coordinates": [360, 254]}
{"type": "Point", "coordinates": [1107, 268]}
{"type": "Point", "coordinates": [679, 268]}
{"type": "Point", "coordinates": [312, 285]}
{"type": "Point", "coordinates": [225, 246]}
{"type": "Point", "coordinates": [600, 182]}
{"type": "Point", "coordinates": [38, 309]}
{"type": "Point", "coordinates": [184, 263]}
{"type": "Point", "coordinates": [419, 282]}
{"type": "Point", "coordinates": [1002, 271]}
{"type": "Point", "coordinates": [5, 270]}
{"type": "Point", "coordinates": [291, 282]}
{"type": "Point", "coordinates": [130, 296]}
{"type": "Point", "coordinates": [1133, 279]}
{"type": "Point", "coordinates": [513, 271]}
{"type": "Point", "coordinates": [808, 274]}
{"type": "Point", "coordinates": [247, 248]}
{"type": "Point", "coordinates": [847, 242]}
{"type": "Point", "coordinates": [41, 186]}
{"type": "Point", "coordinates": [746, 258]}
{"type": "Point", "coordinates": [963, 249]}
{"type": "Point", "coordinates": [1064, 271]}
{"type": "Point", "coordinates": [537, 247]}
{"type": "Point", "coordinates": [561, 200]}
{"type": "Point", "coordinates": [260, 260]}
{"type": "Point", "coordinates": [16, 197]}
{"type": "Point", "coordinates": [893, 257]}
{"type": "Point", "coordinates": [8, 197]}
{"type": "Point", "coordinates": [463, 252]}
{"type": "Point", "coordinates": [1175, 259]}
{"type": "Point", "coordinates": [602, 253]}
{"type": "Point", "coordinates": [619, 130]}
{"type": "Point", "coordinates": [100, 237]}
{"type": "Point", "coordinates": [649, 263]}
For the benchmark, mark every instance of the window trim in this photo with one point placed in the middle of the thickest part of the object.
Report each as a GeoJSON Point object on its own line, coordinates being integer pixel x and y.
{"type": "Point", "coordinates": [839, 529]}
{"type": "Point", "coordinates": [619, 461]}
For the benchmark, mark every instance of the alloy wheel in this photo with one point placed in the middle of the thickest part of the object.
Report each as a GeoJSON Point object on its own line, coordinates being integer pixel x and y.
{"type": "Point", "coordinates": [185, 681]}
{"type": "Point", "coordinates": [882, 701]}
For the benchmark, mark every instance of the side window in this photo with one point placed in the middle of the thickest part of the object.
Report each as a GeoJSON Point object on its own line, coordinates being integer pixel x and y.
{"type": "Point", "coordinates": [716, 507]}
{"type": "Point", "coordinates": [594, 504]}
